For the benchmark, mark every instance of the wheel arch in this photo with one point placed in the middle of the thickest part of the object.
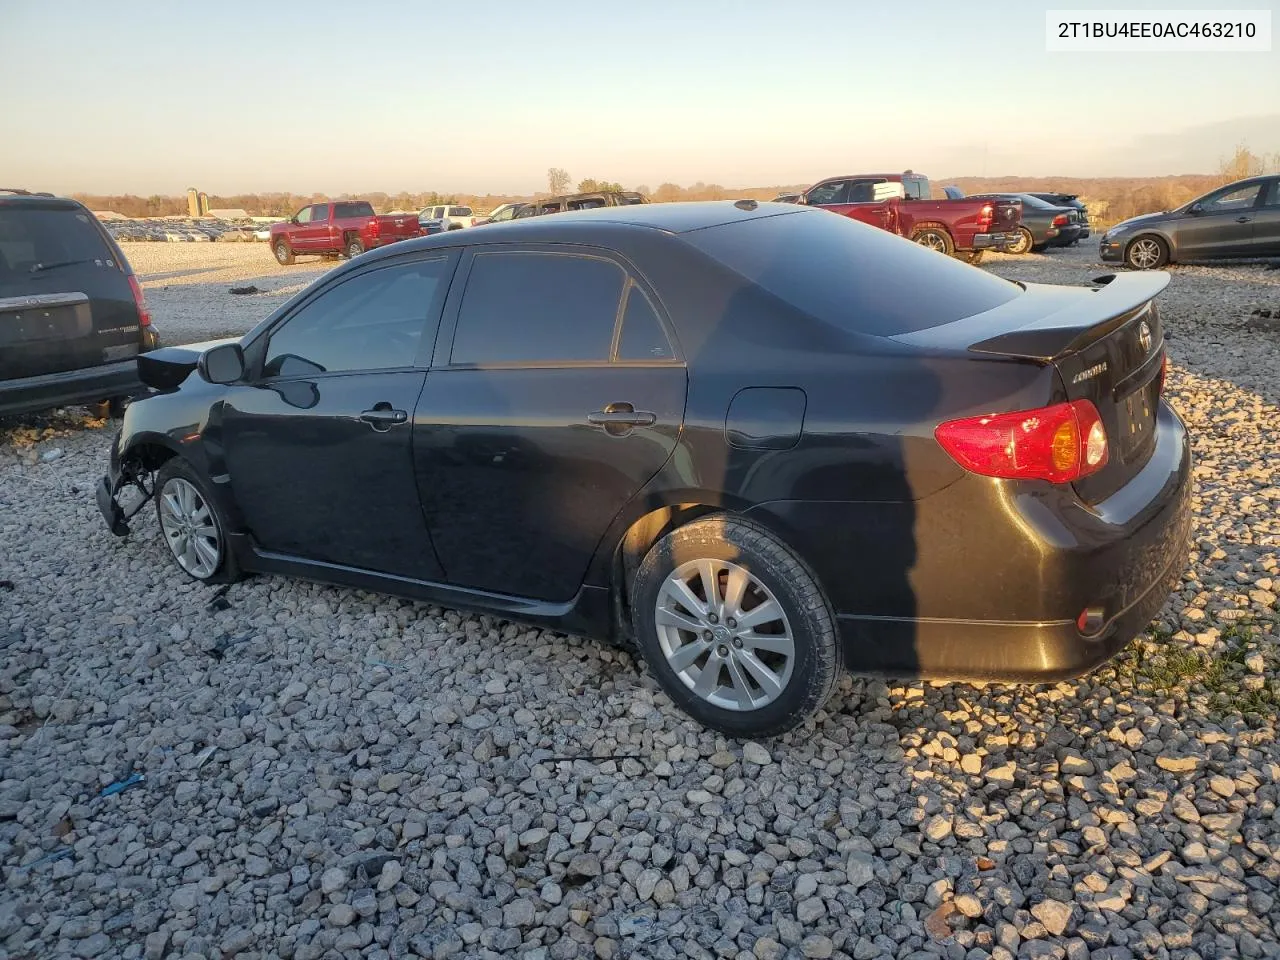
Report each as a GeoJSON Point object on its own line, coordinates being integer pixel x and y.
{"type": "Point", "coordinates": [922, 225]}
{"type": "Point", "coordinates": [631, 538]}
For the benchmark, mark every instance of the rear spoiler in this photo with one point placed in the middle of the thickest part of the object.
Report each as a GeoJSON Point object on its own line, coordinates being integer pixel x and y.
{"type": "Point", "coordinates": [1078, 323]}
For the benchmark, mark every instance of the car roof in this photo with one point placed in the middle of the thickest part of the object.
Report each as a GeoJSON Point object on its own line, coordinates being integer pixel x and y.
{"type": "Point", "coordinates": [42, 201]}
{"type": "Point", "coordinates": [582, 226]}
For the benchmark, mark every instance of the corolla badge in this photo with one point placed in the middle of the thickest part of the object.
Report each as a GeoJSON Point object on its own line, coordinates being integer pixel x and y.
{"type": "Point", "coordinates": [1144, 336]}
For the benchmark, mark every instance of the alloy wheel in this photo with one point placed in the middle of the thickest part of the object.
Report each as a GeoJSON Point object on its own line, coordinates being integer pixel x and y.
{"type": "Point", "coordinates": [1144, 253]}
{"type": "Point", "coordinates": [189, 528]}
{"type": "Point", "coordinates": [933, 241]}
{"type": "Point", "coordinates": [724, 634]}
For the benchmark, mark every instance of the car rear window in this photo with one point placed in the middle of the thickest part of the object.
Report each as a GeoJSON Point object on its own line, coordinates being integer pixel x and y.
{"type": "Point", "coordinates": [355, 208]}
{"type": "Point", "coordinates": [460, 211]}
{"type": "Point", "coordinates": [854, 276]}
{"type": "Point", "coordinates": [31, 235]}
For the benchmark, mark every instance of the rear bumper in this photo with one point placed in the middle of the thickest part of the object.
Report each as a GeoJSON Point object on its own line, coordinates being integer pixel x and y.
{"type": "Point", "coordinates": [89, 385]}
{"type": "Point", "coordinates": [1066, 235]}
{"type": "Point", "coordinates": [992, 241]}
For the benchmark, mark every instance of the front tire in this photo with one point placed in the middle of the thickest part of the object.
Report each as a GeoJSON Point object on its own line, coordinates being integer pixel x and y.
{"type": "Point", "coordinates": [1146, 253]}
{"type": "Point", "coordinates": [193, 530]}
{"type": "Point", "coordinates": [284, 255]}
{"type": "Point", "coordinates": [935, 239]}
{"type": "Point", "coordinates": [735, 628]}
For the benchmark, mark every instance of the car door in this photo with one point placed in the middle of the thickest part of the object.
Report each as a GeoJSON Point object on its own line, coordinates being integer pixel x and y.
{"type": "Point", "coordinates": [1221, 225]}
{"type": "Point", "coordinates": [318, 232]}
{"type": "Point", "coordinates": [1266, 224]}
{"type": "Point", "coordinates": [558, 397]}
{"type": "Point", "coordinates": [319, 440]}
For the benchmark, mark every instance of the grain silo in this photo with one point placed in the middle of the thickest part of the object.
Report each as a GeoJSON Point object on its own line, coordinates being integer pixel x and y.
{"type": "Point", "coordinates": [193, 202]}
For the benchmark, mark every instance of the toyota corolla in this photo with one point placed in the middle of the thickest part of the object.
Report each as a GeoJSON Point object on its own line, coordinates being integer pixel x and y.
{"type": "Point", "coordinates": [755, 443]}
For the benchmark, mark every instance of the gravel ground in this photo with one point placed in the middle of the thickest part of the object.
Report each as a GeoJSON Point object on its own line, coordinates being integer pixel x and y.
{"type": "Point", "coordinates": [331, 773]}
{"type": "Point", "coordinates": [187, 285]}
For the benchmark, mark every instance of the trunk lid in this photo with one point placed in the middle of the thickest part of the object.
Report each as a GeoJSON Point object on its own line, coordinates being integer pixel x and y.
{"type": "Point", "coordinates": [1108, 348]}
{"type": "Point", "coordinates": [1006, 215]}
{"type": "Point", "coordinates": [65, 298]}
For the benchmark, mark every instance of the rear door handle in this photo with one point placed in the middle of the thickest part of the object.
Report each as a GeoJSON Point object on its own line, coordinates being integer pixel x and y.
{"type": "Point", "coordinates": [619, 418]}
{"type": "Point", "coordinates": [381, 417]}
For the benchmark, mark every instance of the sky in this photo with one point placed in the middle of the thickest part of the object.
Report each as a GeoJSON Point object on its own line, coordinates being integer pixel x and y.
{"type": "Point", "coordinates": [154, 96]}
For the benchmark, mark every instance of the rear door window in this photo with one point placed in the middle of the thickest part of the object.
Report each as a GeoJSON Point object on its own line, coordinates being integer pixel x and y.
{"type": "Point", "coordinates": [850, 275]}
{"type": "Point", "coordinates": [32, 237]}
{"type": "Point", "coordinates": [530, 307]}
{"type": "Point", "coordinates": [642, 336]}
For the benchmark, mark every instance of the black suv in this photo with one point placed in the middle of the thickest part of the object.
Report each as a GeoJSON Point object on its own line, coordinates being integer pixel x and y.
{"type": "Point", "coordinates": [580, 201]}
{"type": "Point", "coordinates": [72, 315]}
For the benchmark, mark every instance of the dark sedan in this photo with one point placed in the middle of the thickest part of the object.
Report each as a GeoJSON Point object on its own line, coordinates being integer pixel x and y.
{"type": "Point", "coordinates": [755, 443]}
{"type": "Point", "coordinates": [1072, 202]}
{"type": "Point", "coordinates": [1043, 224]}
{"type": "Point", "coordinates": [1240, 220]}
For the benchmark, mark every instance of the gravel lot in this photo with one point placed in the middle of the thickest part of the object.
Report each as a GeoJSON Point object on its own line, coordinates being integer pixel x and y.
{"type": "Point", "coordinates": [331, 773]}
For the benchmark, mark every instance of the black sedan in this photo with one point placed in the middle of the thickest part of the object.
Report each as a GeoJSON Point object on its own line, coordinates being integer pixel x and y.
{"type": "Point", "coordinates": [1043, 224]}
{"type": "Point", "coordinates": [1240, 220]}
{"type": "Point", "coordinates": [1072, 202]}
{"type": "Point", "coordinates": [755, 443]}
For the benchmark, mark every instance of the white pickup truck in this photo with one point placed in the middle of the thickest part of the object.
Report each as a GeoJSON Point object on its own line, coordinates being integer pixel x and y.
{"type": "Point", "coordinates": [445, 217]}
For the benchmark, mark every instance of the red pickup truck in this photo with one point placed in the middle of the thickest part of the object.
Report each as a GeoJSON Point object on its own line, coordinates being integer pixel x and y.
{"type": "Point", "coordinates": [345, 228]}
{"type": "Point", "coordinates": [901, 204]}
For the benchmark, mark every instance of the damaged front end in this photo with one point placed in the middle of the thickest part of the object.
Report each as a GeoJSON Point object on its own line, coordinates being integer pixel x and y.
{"type": "Point", "coordinates": [129, 472]}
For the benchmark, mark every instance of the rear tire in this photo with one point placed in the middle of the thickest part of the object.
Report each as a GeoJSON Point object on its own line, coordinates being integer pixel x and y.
{"type": "Point", "coordinates": [284, 255]}
{"type": "Point", "coordinates": [758, 660]}
{"type": "Point", "coordinates": [191, 526]}
{"type": "Point", "coordinates": [354, 247]}
{"type": "Point", "coordinates": [1023, 244]}
{"type": "Point", "coordinates": [1146, 253]}
{"type": "Point", "coordinates": [935, 239]}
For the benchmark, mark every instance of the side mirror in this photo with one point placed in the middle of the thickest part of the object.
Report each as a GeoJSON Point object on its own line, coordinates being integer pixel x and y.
{"type": "Point", "coordinates": [224, 364]}
{"type": "Point", "coordinates": [802, 200]}
{"type": "Point", "coordinates": [1195, 209]}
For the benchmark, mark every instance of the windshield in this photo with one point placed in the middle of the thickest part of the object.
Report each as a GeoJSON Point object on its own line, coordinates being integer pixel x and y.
{"type": "Point", "coordinates": [848, 274]}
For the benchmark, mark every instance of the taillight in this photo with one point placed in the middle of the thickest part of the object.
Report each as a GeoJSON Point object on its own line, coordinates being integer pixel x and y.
{"type": "Point", "coordinates": [1059, 443]}
{"type": "Point", "coordinates": [1060, 220]}
{"type": "Point", "coordinates": [144, 315]}
{"type": "Point", "coordinates": [473, 221]}
{"type": "Point", "coordinates": [985, 216]}
{"type": "Point", "coordinates": [375, 227]}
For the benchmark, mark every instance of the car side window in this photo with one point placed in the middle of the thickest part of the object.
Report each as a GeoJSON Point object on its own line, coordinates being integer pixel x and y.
{"type": "Point", "coordinates": [862, 191]}
{"type": "Point", "coordinates": [642, 336]}
{"type": "Point", "coordinates": [530, 211]}
{"type": "Point", "coordinates": [1272, 199]}
{"type": "Point", "coordinates": [537, 308]}
{"type": "Point", "coordinates": [1239, 199]}
{"type": "Point", "coordinates": [828, 193]}
{"type": "Point", "coordinates": [320, 213]}
{"type": "Point", "coordinates": [372, 321]}
{"type": "Point", "coordinates": [304, 215]}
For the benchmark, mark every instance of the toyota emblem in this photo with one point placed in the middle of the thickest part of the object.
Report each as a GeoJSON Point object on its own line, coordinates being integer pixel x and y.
{"type": "Point", "coordinates": [1144, 336]}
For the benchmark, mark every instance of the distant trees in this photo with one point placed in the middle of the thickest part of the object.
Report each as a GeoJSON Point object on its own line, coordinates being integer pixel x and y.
{"type": "Point", "coordinates": [558, 180]}
{"type": "Point", "coordinates": [1245, 163]}
{"type": "Point", "coordinates": [604, 186]}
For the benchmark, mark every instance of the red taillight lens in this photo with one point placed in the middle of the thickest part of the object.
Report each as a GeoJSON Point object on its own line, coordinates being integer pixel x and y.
{"type": "Point", "coordinates": [473, 221]}
{"type": "Point", "coordinates": [985, 216]}
{"type": "Point", "coordinates": [1060, 220]}
{"type": "Point", "coordinates": [1059, 443]}
{"type": "Point", "coordinates": [144, 315]}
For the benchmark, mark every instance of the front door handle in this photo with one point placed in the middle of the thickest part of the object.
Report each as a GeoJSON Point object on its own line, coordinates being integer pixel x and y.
{"type": "Point", "coordinates": [381, 417]}
{"type": "Point", "coordinates": [619, 418]}
{"type": "Point", "coordinates": [1243, 219]}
